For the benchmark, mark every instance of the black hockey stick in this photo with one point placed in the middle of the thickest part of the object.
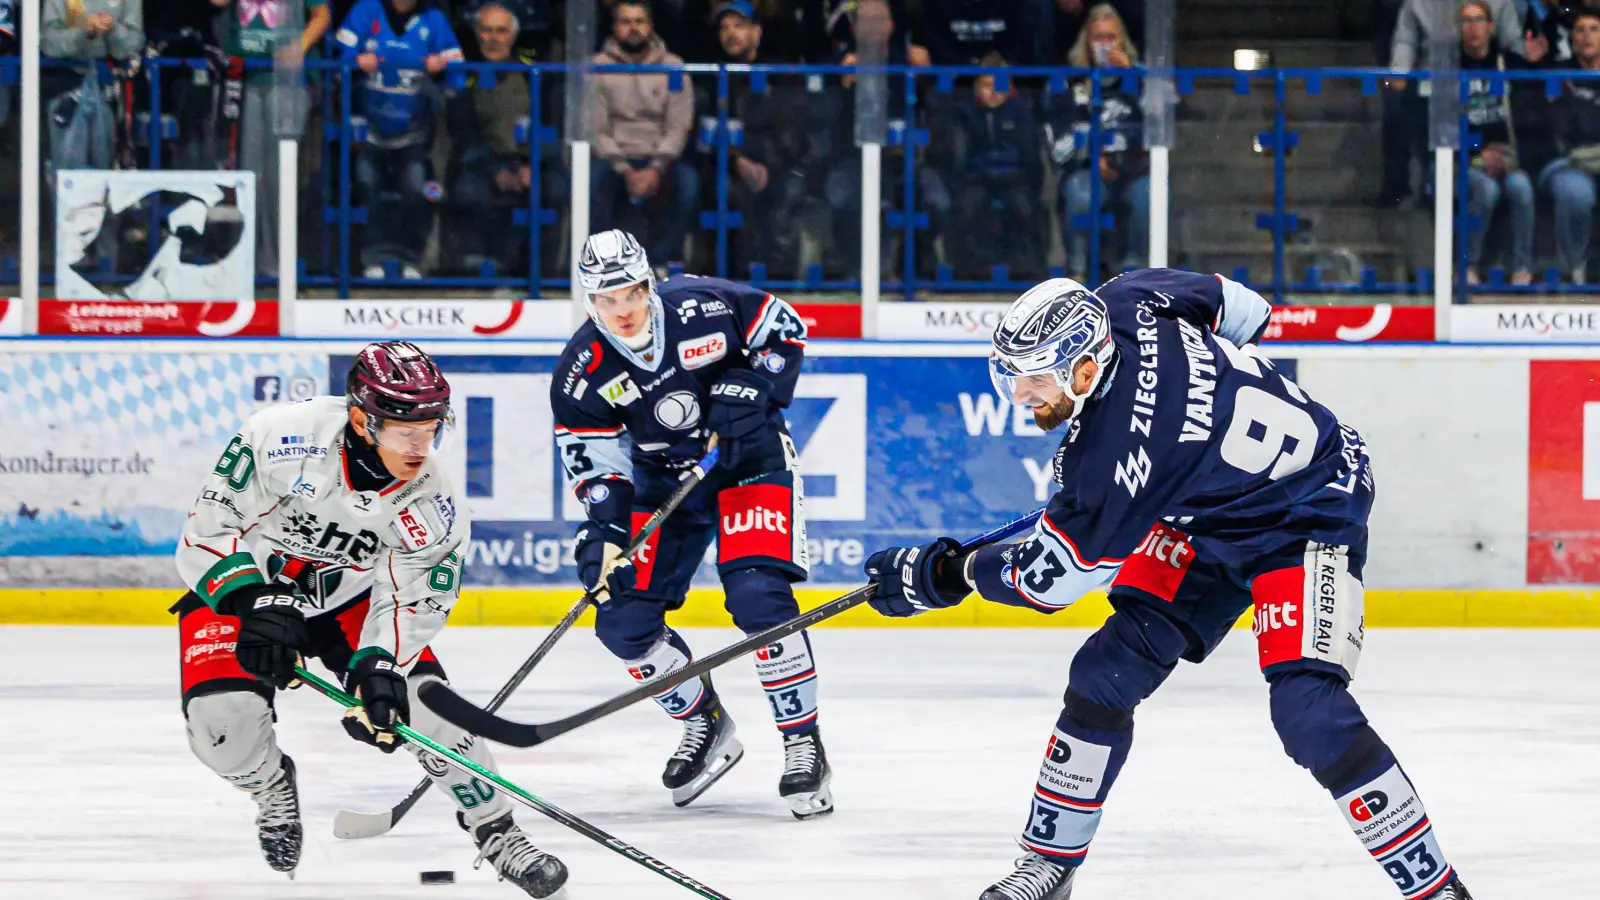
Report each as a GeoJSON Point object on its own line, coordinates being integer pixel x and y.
{"type": "Point", "coordinates": [352, 825]}
{"type": "Point", "coordinates": [466, 765]}
{"type": "Point", "coordinates": [454, 708]}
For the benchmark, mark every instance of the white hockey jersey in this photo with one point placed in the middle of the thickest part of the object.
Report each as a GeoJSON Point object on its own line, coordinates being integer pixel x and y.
{"type": "Point", "coordinates": [279, 507]}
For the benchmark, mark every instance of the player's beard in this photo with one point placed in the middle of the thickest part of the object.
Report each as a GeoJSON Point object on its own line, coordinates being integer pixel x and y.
{"type": "Point", "coordinates": [1051, 415]}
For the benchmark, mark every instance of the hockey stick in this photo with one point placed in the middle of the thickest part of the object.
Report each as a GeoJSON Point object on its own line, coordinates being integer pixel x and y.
{"type": "Point", "coordinates": [454, 708]}
{"type": "Point", "coordinates": [352, 825]}
{"type": "Point", "coordinates": [469, 767]}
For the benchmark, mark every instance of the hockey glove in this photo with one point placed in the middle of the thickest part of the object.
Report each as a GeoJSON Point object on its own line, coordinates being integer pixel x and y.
{"type": "Point", "coordinates": [601, 563]}
{"type": "Point", "coordinates": [738, 414]}
{"type": "Point", "coordinates": [272, 632]}
{"type": "Point", "coordinates": [381, 688]}
{"type": "Point", "coordinates": [912, 580]}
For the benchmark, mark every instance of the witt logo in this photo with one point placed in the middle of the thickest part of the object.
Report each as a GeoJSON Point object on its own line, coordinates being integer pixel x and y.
{"type": "Point", "coordinates": [214, 630]}
{"type": "Point", "coordinates": [1136, 473]}
{"type": "Point", "coordinates": [770, 652]}
{"type": "Point", "coordinates": [1370, 804]}
{"type": "Point", "coordinates": [1273, 616]}
{"type": "Point", "coordinates": [758, 519]}
{"type": "Point", "coordinates": [1165, 546]}
{"type": "Point", "coordinates": [702, 352]}
{"type": "Point", "coordinates": [1058, 751]}
{"type": "Point", "coordinates": [745, 392]}
{"type": "Point", "coordinates": [642, 673]}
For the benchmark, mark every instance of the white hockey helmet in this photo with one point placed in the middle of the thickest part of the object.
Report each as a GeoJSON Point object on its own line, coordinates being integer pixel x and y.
{"type": "Point", "coordinates": [1049, 330]}
{"type": "Point", "coordinates": [612, 260]}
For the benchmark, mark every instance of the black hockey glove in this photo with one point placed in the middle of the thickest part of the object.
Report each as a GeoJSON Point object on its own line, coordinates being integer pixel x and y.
{"type": "Point", "coordinates": [600, 559]}
{"type": "Point", "coordinates": [384, 703]}
{"type": "Point", "coordinates": [912, 580]}
{"type": "Point", "coordinates": [738, 414]}
{"type": "Point", "coordinates": [272, 631]}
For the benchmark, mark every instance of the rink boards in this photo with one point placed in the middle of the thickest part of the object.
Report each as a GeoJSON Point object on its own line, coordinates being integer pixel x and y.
{"type": "Point", "coordinates": [1488, 509]}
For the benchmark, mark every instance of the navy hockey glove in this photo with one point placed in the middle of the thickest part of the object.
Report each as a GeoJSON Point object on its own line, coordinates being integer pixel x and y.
{"type": "Point", "coordinates": [272, 631]}
{"type": "Point", "coordinates": [600, 559]}
{"type": "Point", "coordinates": [738, 414]}
{"type": "Point", "coordinates": [381, 688]}
{"type": "Point", "coordinates": [912, 580]}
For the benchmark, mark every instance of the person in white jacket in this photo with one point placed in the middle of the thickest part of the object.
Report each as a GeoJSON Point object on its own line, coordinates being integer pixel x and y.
{"type": "Point", "coordinates": [329, 528]}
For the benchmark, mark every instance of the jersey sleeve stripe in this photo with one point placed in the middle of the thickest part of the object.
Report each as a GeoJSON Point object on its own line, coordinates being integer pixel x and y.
{"type": "Point", "coordinates": [603, 432]}
{"type": "Point", "coordinates": [766, 309]}
{"type": "Point", "coordinates": [1072, 549]}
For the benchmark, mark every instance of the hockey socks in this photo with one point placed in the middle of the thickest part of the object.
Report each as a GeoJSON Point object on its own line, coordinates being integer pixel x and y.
{"type": "Point", "coordinates": [1387, 816]}
{"type": "Point", "coordinates": [670, 654]}
{"type": "Point", "coordinates": [1080, 764]}
{"type": "Point", "coordinates": [790, 679]}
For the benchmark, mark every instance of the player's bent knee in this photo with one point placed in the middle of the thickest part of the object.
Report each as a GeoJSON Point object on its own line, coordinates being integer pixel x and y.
{"type": "Point", "coordinates": [1094, 715]}
{"type": "Point", "coordinates": [1323, 728]}
{"type": "Point", "coordinates": [759, 597]}
{"type": "Point", "coordinates": [1127, 659]}
{"type": "Point", "coordinates": [231, 732]}
{"type": "Point", "coordinates": [629, 627]}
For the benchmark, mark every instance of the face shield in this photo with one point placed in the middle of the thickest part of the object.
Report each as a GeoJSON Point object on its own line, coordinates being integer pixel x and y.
{"type": "Point", "coordinates": [413, 439]}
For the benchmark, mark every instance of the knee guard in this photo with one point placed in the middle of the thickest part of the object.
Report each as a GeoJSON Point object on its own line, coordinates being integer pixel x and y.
{"type": "Point", "coordinates": [630, 627]}
{"type": "Point", "coordinates": [759, 597]}
{"type": "Point", "coordinates": [231, 732]}
{"type": "Point", "coordinates": [1323, 729]}
{"type": "Point", "coordinates": [478, 800]}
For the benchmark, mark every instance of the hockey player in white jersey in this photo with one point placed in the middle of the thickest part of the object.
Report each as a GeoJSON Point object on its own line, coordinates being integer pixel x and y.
{"type": "Point", "coordinates": [328, 528]}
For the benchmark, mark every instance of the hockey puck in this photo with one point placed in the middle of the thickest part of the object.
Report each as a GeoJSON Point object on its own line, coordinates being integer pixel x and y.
{"type": "Point", "coordinates": [439, 877]}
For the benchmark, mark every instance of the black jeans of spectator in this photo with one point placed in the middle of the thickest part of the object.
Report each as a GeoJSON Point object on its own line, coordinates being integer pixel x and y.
{"type": "Point", "coordinates": [1405, 135]}
{"type": "Point", "coordinates": [996, 223]}
{"type": "Point", "coordinates": [773, 220]}
{"type": "Point", "coordinates": [664, 219]}
{"type": "Point", "coordinates": [481, 221]}
{"type": "Point", "coordinates": [394, 186]}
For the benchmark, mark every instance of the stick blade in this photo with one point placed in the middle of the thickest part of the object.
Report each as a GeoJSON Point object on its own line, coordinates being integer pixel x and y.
{"type": "Point", "coordinates": [353, 826]}
{"type": "Point", "coordinates": [463, 713]}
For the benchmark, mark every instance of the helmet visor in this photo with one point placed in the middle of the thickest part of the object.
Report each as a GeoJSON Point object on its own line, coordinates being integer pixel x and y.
{"type": "Point", "coordinates": [415, 439]}
{"type": "Point", "coordinates": [1015, 387]}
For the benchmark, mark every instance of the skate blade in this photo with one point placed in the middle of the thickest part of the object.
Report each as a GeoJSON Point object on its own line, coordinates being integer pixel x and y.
{"type": "Point", "coordinates": [727, 758]}
{"type": "Point", "coordinates": [812, 804]}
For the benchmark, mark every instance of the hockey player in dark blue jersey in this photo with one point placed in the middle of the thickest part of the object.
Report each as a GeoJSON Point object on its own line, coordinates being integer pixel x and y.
{"type": "Point", "coordinates": [662, 371]}
{"type": "Point", "coordinates": [1202, 482]}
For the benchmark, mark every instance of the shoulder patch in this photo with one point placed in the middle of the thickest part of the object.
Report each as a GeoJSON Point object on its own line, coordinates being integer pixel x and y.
{"type": "Point", "coordinates": [413, 530]}
{"type": "Point", "coordinates": [620, 391]}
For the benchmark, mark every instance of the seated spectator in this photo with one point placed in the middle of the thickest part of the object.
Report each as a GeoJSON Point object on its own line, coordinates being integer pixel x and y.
{"type": "Point", "coordinates": [252, 34]}
{"type": "Point", "coordinates": [1570, 179]}
{"type": "Point", "coordinates": [1495, 169]}
{"type": "Point", "coordinates": [640, 128]}
{"type": "Point", "coordinates": [83, 117]}
{"type": "Point", "coordinates": [767, 171]}
{"type": "Point", "coordinates": [961, 32]}
{"type": "Point", "coordinates": [491, 172]}
{"type": "Point", "coordinates": [785, 28]}
{"type": "Point", "coordinates": [538, 22]}
{"type": "Point", "coordinates": [1068, 17]}
{"type": "Point", "coordinates": [996, 164]}
{"type": "Point", "coordinates": [1122, 166]}
{"type": "Point", "coordinates": [1405, 109]}
{"type": "Point", "coordinates": [401, 49]}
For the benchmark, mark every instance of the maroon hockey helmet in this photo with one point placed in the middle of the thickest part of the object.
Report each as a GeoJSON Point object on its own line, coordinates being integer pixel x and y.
{"type": "Point", "coordinates": [396, 380]}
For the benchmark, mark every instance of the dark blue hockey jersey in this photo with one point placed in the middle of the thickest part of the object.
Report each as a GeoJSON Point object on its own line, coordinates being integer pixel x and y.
{"type": "Point", "coordinates": [1194, 430]}
{"type": "Point", "coordinates": [613, 413]}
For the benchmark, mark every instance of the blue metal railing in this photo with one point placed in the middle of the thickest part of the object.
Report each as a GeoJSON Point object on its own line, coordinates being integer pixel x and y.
{"type": "Point", "coordinates": [909, 220]}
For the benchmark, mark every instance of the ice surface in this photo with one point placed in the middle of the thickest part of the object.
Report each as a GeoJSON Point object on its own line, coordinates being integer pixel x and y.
{"type": "Point", "coordinates": [935, 738]}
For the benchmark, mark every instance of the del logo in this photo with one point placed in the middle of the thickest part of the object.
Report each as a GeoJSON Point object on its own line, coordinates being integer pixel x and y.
{"type": "Point", "coordinates": [758, 519]}
{"type": "Point", "coordinates": [1272, 616]}
{"type": "Point", "coordinates": [413, 529]}
{"type": "Point", "coordinates": [770, 651]}
{"type": "Point", "coordinates": [642, 673]}
{"type": "Point", "coordinates": [212, 631]}
{"type": "Point", "coordinates": [702, 352]}
{"type": "Point", "coordinates": [1368, 805]}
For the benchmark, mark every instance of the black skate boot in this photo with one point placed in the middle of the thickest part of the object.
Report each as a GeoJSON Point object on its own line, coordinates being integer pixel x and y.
{"type": "Point", "coordinates": [806, 775]}
{"type": "Point", "coordinates": [706, 752]}
{"type": "Point", "coordinates": [1452, 890]}
{"type": "Point", "coordinates": [516, 859]}
{"type": "Point", "coordinates": [1035, 878]}
{"type": "Point", "coordinates": [278, 819]}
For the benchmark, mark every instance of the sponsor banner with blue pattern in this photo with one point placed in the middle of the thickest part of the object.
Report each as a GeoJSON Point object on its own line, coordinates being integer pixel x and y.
{"type": "Point", "coordinates": [102, 452]}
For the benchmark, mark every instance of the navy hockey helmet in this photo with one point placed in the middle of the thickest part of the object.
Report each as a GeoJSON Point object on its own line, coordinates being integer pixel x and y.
{"type": "Point", "coordinates": [612, 260]}
{"type": "Point", "coordinates": [1048, 331]}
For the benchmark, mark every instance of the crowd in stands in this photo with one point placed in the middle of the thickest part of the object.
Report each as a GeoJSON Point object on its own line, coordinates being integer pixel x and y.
{"type": "Point", "coordinates": [442, 163]}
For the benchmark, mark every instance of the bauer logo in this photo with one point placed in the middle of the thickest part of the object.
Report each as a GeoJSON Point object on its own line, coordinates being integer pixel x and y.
{"type": "Point", "coordinates": [1370, 804]}
{"type": "Point", "coordinates": [702, 352]}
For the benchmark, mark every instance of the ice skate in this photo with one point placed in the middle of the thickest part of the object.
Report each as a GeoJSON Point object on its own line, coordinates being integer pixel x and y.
{"type": "Point", "coordinates": [1452, 890]}
{"type": "Point", "coordinates": [806, 776]}
{"type": "Point", "coordinates": [1035, 878]}
{"type": "Point", "coordinates": [503, 845]}
{"type": "Point", "coordinates": [706, 752]}
{"type": "Point", "coordinates": [278, 819]}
